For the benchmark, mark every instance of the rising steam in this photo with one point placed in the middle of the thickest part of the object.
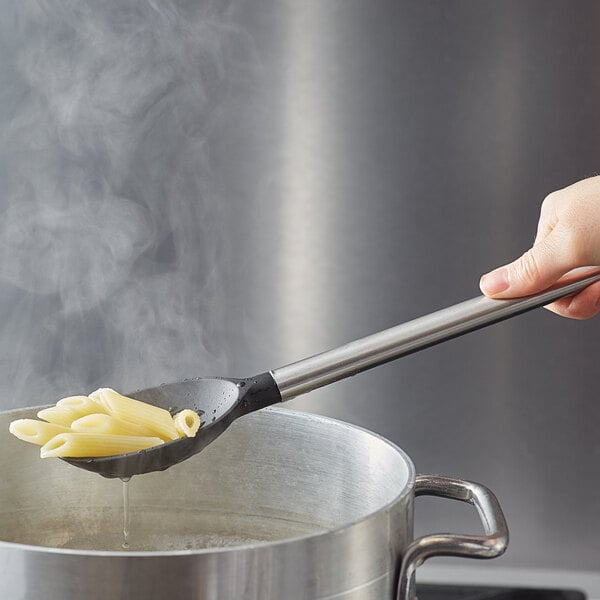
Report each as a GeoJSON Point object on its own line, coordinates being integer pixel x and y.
{"type": "Point", "coordinates": [109, 234]}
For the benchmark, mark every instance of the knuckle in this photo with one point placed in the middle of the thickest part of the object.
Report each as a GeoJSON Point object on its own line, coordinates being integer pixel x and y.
{"type": "Point", "coordinates": [555, 202]}
{"type": "Point", "coordinates": [529, 268]}
{"type": "Point", "coordinates": [551, 199]}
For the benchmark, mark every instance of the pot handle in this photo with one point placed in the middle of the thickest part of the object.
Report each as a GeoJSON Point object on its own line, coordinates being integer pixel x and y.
{"type": "Point", "coordinates": [490, 545]}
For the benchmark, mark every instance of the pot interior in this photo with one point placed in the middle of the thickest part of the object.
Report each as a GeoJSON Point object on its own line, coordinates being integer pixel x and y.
{"type": "Point", "coordinates": [275, 474]}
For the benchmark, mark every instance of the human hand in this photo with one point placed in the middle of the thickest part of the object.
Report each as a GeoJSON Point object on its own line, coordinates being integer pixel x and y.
{"type": "Point", "coordinates": [568, 237]}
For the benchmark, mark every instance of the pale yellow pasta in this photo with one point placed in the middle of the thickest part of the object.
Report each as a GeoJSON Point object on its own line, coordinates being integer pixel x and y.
{"type": "Point", "coordinates": [187, 423]}
{"type": "Point", "coordinates": [35, 432]}
{"type": "Point", "coordinates": [97, 398]}
{"type": "Point", "coordinates": [83, 405]}
{"type": "Point", "coordinates": [81, 445]}
{"type": "Point", "coordinates": [105, 423]}
{"type": "Point", "coordinates": [157, 419]}
{"type": "Point", "coordinates": [102, 423]}
{"type": "Point", "coordinates": [59, 415]}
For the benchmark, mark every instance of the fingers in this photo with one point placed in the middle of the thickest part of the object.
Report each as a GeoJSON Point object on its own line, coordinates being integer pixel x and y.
{"type": "Point", "coordinates": [540, 267]}
{"type": "Point", "coordinates": [584, 305]}
{"type": "Point", "coordinates": [568, 236]}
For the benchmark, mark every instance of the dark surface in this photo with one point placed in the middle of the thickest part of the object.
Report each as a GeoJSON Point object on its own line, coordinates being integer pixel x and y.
{"type": "Point", "coordinates": [451, 592]}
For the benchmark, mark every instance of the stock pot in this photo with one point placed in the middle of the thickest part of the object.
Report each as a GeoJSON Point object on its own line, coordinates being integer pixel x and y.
{"type": "Point", "coordinates": [285, 505]}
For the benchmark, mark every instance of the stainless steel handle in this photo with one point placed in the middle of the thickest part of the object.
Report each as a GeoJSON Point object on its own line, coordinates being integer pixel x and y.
{"type": "Point", "coordinates": [490, 545]}
{"type": "Point", "coordinates": [319, 370]}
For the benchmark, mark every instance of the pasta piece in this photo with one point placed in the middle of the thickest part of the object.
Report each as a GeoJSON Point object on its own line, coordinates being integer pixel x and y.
{"type": "Point", "coordinates": [187, 423]}
{"type": "Point", "coordinates": [59, 415]}
{"type": "Point", "coordinates": [83, 445]}
{"type": "Point", "coordinates": [101, 423]}
{"type": "Point", "coordinates": [97, 398]}
{"type": "Point", "coordinates": [83, 405]}
{"type": "Point", "coordinates": [35, 432]}
{"type": "Point", "coordinates": [157, 419]}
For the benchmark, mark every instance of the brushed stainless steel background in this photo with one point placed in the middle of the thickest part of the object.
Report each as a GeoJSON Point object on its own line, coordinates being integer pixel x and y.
{"type": "Point", "coordinates": [341, 167]}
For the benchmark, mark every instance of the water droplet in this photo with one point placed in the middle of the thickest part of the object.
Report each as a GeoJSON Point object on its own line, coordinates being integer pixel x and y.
{"type": "Point", "coordinates": [126, 512]}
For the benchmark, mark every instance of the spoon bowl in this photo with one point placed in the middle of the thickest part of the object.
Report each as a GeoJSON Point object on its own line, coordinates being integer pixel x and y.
{"type": "Point", "coordinates": [218, 401]}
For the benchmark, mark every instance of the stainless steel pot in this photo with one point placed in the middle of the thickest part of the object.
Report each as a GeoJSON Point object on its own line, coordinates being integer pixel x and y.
{"type": "Point", "coordinates": [284, 506]}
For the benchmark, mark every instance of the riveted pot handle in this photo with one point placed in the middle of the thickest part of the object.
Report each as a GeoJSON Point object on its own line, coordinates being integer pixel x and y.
{"type": "Point", "coordinates": [490, 545]}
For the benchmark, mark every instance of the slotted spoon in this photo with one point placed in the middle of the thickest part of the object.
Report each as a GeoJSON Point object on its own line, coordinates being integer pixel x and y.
{"type": "Point", "coordinates": [221, 400]}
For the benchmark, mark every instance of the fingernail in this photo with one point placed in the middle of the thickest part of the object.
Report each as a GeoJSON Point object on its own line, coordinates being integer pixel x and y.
{"type": "Point", "coordinates": [494, 282]}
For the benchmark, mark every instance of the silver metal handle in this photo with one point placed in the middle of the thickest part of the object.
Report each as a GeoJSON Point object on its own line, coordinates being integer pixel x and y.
{"type": "Point", "coordinates": [490, 545]}
{"type": "Point", "coordinates": [319, 370]}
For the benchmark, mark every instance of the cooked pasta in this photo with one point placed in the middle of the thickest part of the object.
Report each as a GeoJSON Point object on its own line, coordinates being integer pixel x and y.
{"type": "Point", "coordinates": [81, 445]}
{"type": "Point", "coordinates": [59, 415]}
{"type": "Point", "coordinates": [157, 419]}
{"type": "Point", "coordinates": [187, 422]}
{"type": "Point", "coordinates": [82, 405]}
{"type": "Point", "coordinates": [35, 432]}
{"type": "Point", "coordinates": [97, 398]}
{"type": "Point", "coordinates": [105, 423]}
{"type": "Point", "coordinates": [100, 423]}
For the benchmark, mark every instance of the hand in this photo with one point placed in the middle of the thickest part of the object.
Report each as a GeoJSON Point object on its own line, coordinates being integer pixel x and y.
{"type": "Point", "coordinates": [568, 236]}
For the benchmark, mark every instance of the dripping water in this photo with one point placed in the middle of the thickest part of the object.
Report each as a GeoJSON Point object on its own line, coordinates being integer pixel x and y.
{"type": "Point", "coordinates": [126, 513]}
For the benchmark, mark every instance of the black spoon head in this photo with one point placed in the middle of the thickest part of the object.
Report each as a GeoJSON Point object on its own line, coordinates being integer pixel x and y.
{"type": "Point", "coordinates": [218, 401]}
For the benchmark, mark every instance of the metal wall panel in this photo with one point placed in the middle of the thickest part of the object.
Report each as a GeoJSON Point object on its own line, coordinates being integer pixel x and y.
{"type": "Point", "coordinates": [222, 188]}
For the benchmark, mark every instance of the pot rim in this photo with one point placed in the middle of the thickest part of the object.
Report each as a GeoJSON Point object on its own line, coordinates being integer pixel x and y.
{"type": "Point", "coordinates": [257, 546]}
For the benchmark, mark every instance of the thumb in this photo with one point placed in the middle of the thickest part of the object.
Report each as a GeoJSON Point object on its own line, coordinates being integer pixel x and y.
{"type": "Point", "coordinates": [540, 267]}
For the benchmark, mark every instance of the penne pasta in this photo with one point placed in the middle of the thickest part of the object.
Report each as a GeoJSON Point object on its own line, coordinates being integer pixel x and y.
{"type": "Point", "coordinates": [102, 423]}
{"type": "Point", "coordinates": [105, 423]}
{"type": "Point", "coordinates": [35, 432]}
{"type": "Point", "coordinates": [97, 398]}
{"type": "Point", "coordinates": [82, 405]}
{"type": "Point", "coordinates": [82, 445]}
{"type": "Point", "coordinates": [187, 423]}
{"type": "Point", "coordinates": [59, 415]}
{"type": "Point", "coordinates": [157, 419]}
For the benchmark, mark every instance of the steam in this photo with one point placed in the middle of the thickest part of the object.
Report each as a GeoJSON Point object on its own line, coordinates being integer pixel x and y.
{"type": "Point", "coordinates": [109, 222]}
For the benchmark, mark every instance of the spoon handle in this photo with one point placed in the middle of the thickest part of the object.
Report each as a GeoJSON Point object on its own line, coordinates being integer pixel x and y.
{"type": "Point", "coordinates": [324, 368]}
